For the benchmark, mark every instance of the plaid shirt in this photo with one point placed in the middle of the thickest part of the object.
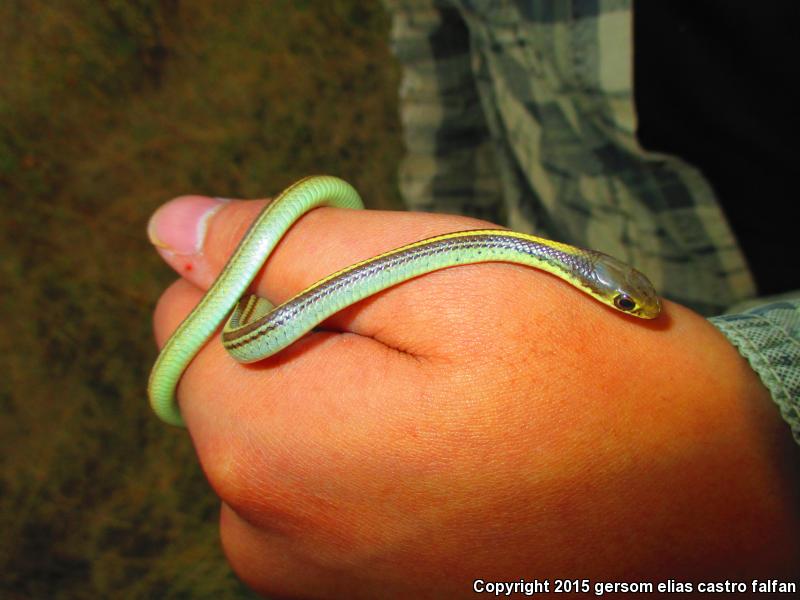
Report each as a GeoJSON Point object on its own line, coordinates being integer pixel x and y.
{"type": "Point", "coordinates": [522, 113]}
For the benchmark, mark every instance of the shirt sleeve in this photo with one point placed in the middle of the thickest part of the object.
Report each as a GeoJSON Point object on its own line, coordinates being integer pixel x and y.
{"type": "Point", "coordinates": [768, 336]}
{"type": "Point", "coordinates": [449, 164]}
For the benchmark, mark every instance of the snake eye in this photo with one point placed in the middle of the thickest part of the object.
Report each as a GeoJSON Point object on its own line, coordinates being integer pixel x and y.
{"type": "Point", "coordinates": [624, 302]}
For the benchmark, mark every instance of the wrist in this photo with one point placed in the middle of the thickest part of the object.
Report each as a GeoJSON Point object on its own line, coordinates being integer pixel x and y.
{"type": "Point", "coordinates": [729, 462]}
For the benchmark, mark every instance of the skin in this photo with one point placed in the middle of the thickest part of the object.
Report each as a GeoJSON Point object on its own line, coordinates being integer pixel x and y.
{"type": "Point", "coordinates": [483, 421]}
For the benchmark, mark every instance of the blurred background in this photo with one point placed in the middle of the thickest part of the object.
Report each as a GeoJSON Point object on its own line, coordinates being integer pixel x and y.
{"type": "Point", "coordinates": [108, 108]}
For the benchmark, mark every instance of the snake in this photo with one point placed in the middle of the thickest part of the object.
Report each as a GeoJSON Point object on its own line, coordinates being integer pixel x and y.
{"type": "Point", "coordinates": [256, 329]}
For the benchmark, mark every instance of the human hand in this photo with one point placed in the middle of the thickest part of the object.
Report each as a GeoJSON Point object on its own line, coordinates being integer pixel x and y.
{"type": "Point", "coordinates": [486, 421]}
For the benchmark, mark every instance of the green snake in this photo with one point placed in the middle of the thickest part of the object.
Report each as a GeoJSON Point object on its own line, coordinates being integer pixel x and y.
{"type": "Point", "coordinates": [256, 329]}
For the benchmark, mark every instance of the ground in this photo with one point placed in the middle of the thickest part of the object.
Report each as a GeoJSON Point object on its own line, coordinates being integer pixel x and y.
{"type": "Point", "coordinates": [107, 109]}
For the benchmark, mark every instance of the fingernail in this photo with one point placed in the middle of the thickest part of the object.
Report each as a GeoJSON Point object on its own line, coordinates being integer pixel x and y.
{"type": "Point", "coordinates": [180, 225]}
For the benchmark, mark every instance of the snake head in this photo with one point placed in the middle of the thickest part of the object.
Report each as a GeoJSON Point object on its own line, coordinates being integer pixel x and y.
{"type": "Point", "coordinates": [624, 288]}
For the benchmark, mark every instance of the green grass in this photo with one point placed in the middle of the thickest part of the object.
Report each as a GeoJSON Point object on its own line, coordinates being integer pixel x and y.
{"type": "Point", "coordinates": [107, 109]}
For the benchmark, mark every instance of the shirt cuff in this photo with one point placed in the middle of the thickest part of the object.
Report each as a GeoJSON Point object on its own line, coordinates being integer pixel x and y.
{"type": "Point", "coordinates": [768, 336]}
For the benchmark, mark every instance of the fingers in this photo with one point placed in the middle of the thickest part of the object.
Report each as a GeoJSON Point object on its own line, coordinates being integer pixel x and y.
{"type": "Point", "coordinates": [175, 303]}
{"type": "Point", "coordinates": [266, 563]}
{"type": "Point", "coordinates": [223, 401]}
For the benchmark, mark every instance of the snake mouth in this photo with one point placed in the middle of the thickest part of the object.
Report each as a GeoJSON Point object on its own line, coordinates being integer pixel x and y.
{"type": "Point", "coordinates": [648, 306]}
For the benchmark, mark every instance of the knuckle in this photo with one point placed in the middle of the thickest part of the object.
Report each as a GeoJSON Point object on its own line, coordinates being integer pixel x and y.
{"type": "Point", "coordinates": [254, 486]}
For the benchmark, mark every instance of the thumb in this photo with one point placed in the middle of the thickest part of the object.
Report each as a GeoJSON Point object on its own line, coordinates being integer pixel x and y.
{"type": "Point", "coordinates": [178, 230]}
